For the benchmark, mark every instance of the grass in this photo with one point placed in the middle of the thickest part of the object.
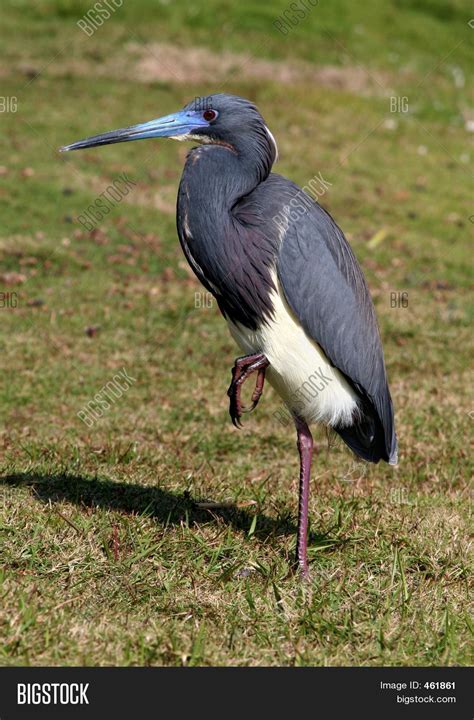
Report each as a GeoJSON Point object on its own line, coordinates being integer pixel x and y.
{"type": "Point", "coordinates": [161, 535]}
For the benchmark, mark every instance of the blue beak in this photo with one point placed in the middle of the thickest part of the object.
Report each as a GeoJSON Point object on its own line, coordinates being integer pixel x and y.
{"type": "Point", "coordinates": [180, 123]}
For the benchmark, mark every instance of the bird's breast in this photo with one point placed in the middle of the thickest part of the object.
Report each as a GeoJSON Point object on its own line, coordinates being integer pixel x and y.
{"type": "Point", "coordinates": [231, 260]}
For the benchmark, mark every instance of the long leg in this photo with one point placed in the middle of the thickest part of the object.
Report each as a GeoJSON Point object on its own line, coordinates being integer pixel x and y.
{"type": "Point", "coordinates": [305, 449]}
{"type": "Point", "coordinates": [243, 368]}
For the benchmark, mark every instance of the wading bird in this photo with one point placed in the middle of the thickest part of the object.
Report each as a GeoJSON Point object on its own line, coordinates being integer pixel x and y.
{"type": "Point", "coordinates": [285, 279]}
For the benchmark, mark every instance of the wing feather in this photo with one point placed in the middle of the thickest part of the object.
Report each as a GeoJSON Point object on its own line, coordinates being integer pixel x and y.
{"type": "Point", "coordinates": [325, 288]}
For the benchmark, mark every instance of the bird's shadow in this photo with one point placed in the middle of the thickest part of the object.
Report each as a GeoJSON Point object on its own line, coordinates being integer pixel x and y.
{"type": "Point", "coordinates": [162, 505]}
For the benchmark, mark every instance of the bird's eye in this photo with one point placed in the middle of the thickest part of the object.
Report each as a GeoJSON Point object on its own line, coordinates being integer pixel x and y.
{"type": "Point", "coordinates": [209, 115]}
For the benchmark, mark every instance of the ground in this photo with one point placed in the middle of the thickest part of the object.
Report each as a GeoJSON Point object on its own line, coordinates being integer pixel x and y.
{"type": "Point", "coordinates": [158, 534]}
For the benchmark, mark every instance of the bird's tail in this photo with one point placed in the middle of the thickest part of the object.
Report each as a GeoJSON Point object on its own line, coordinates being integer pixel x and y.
{"type": "Point", "coordinates": [368, 439]}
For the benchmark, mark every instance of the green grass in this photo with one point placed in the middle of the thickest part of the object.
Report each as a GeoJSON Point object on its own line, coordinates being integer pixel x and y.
{"type": "Point", "coordinates": [161, 535]}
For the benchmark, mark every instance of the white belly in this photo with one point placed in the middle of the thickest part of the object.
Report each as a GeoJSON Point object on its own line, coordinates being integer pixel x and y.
{"type": "Point", "coordinates": [299, 370]}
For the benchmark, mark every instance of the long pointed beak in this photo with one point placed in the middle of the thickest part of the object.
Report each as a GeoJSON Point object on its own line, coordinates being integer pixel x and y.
{"type": "Point", "coordinates": [175, 125]}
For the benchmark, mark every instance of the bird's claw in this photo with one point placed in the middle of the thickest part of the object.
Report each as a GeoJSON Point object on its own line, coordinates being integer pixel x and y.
{"type": "Point", "coordinates": [235, 407]}
{"type": "Point", "coordinates": [249, 409]}
{"type": "Point", "coordinates": [240, 373]}
{"type": "Point", "coordinates": [256, 395]}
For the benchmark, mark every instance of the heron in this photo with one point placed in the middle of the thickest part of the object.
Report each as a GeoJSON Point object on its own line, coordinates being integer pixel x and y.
{"type": "Point", "coordinates": [285, 279]}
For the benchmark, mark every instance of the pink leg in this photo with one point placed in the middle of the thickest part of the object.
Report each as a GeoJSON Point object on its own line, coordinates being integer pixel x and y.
{"type": "Point", "coordinates": [305, 449]}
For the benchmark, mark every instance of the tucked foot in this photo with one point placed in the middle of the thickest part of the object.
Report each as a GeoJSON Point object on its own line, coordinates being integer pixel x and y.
{"type": "Point", "coordinates": [257, 393]}
{"type": "Point", "coordinates": [243, 368]}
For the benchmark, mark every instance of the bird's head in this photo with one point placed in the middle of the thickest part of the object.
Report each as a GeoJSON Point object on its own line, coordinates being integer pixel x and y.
{"type": "Point", "coordinates": [220, 119]}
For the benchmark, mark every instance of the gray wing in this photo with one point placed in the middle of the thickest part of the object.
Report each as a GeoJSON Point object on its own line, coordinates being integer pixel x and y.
{"type": "Point", "coordinates": [325, 288]}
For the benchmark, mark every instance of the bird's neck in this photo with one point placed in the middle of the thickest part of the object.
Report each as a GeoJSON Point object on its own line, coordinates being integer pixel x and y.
{"type": "Point", "coordinates": [214, 238]}
{"type": "Point", "coordinates": [215, 178]}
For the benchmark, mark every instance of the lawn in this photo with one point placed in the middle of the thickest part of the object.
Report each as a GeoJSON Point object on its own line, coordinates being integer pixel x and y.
{"type": "Point", "coordinates": [158, 534]}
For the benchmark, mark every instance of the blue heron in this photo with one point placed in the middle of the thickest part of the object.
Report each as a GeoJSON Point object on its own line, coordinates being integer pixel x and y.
{"type": "Point", "coordinates": [285, 279]}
